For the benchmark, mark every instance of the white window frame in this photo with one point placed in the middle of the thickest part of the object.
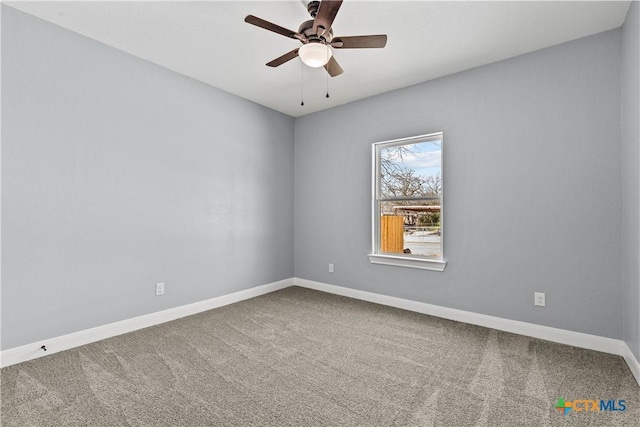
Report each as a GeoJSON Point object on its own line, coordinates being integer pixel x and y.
{"type": "Point", "coordinates": [403, 260]}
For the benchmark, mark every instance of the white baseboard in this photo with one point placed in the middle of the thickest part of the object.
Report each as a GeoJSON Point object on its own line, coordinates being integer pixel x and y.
{"type": "Point", "coordinates": [87, 336]}
{"type": "Point", "coordinates": [633, 363]}
{"type": "Point", "coordinates": [577, 339]}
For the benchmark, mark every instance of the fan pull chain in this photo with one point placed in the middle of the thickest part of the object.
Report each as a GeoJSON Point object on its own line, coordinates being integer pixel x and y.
{"type": "Point", "coordinates": [302, 84]}
{"type": "Point", "coordinates": [327, 73]}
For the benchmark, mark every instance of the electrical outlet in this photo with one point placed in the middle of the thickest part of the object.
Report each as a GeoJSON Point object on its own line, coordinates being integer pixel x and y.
{"type": "Point", "coordinates": [539, 299]}
{"type": "Point", "coordinates": [159, 289]}
{"type": "Point", "coordinates": [330, 268]}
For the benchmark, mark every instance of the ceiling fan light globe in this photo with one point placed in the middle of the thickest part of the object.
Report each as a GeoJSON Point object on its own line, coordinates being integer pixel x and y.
{"type": "Point", "coordinates": [315, 54]}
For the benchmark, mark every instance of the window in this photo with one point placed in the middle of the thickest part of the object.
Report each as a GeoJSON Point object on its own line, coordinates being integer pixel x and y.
{"type": "Point", "coordinates": [407, 203]}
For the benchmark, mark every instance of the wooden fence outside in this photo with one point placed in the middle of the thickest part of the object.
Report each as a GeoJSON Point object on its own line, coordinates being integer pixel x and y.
{"type": "Point", "coordinates": [392, 234]}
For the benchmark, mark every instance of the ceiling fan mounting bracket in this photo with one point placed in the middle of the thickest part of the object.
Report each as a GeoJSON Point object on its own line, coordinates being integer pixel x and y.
{"type": "Point", "coordinates": [312, 8]}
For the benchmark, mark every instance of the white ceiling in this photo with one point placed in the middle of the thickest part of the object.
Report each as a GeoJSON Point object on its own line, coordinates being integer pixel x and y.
{"type": "Point", "coordinates": [209, 40]}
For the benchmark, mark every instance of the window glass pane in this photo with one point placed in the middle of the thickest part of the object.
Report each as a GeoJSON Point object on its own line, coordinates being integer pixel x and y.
{"type": "Point", "coordinates": [411, 170]}
{"type": "Point", "coordinates": [411, 227]}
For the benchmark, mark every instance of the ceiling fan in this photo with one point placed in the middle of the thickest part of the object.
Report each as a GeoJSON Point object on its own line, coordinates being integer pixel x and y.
{"type": "Point", "coordinates": [316, 36]}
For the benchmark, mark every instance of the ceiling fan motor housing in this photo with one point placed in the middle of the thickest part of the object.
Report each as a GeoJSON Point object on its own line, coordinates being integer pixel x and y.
{"type": "Point", "coordinates": [306, 29]}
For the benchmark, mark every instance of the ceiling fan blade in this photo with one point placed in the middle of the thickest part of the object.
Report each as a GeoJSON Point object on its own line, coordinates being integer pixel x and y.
{"type": "Point", "coordinates": [259, 22]}
{"type": "Point", "coordinates": [359, 42]}
{"type": "Point", "coordinates": [284, 58]}
{"type": "Point", "coordinates": [326, 14]}
{"type": "Point", "coordinates": [333, 68]}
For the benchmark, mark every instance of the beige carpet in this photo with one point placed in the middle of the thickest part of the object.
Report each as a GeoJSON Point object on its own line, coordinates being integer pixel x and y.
{"type": "Point", "coordinates": [304, 358]}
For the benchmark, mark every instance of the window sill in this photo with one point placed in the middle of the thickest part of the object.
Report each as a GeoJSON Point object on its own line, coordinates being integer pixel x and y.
{"type": "Point", "coordinates": [410, 262]}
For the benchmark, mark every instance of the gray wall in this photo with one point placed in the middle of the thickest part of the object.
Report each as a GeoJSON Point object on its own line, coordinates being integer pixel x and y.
{"type": "Point", "coordinates": [532, 188]}
{"type": "Point", "coordinates": [117, 174]}
{"type": "Point", "coordinates": [631, 178]}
